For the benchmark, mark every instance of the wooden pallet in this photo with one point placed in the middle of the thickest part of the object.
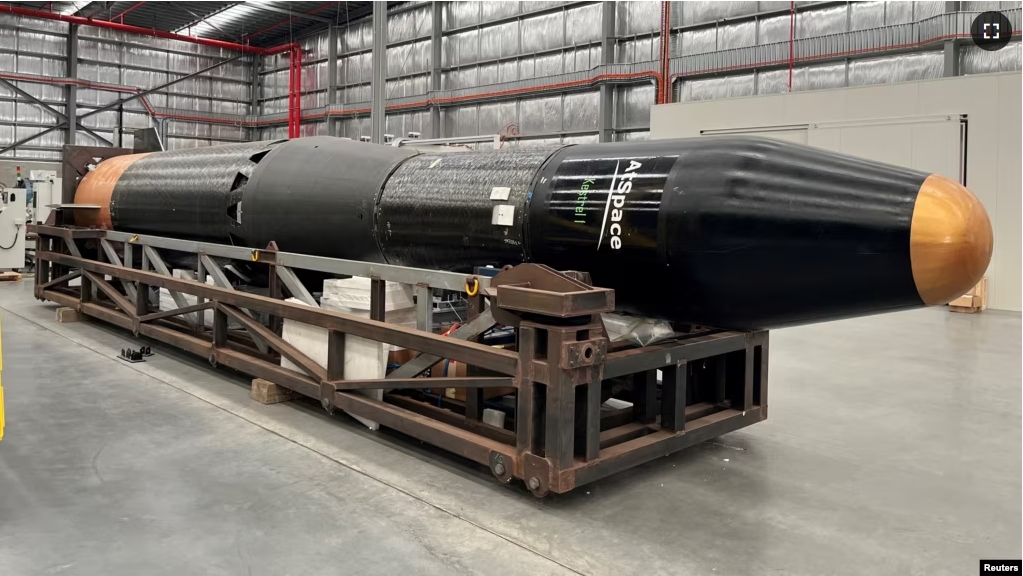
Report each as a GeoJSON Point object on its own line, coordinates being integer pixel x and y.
{"type": "Point", "coordinates": [973, 301]}
{"type": "Point", "coordinates": [10, 276]}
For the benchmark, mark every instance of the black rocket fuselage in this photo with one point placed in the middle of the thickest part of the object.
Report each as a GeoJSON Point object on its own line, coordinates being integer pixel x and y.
{"type": "Point", "coordinates": [727, 232]}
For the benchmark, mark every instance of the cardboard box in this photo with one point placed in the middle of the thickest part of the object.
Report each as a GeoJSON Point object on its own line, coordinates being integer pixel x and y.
{"type": "Point", "coordinates": [973, 301]}
{"type": "Point", "coordinates": [400, 356]}
{"type": "Point", "coordinates": [448, 369]}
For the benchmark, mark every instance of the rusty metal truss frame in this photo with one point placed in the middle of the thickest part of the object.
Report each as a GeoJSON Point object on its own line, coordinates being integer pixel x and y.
{"type": "Point", "coordinates": [557, 438]}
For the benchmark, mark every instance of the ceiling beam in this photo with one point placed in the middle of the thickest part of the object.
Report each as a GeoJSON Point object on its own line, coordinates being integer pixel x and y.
{"type": "Point", "coordinates": [286, 22]}
{"type": "Point", "coordinates": [129, 9]}
{"type": "Point", "coordinates": [292, 13]}
{"type": "Point", "coordinates": [198, 20]}
{"type": "Point", "coordinates": [94, 9]}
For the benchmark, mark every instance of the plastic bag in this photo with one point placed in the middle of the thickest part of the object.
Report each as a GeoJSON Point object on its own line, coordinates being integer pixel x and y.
{"type": "Point", "coordinates": [636, 329]}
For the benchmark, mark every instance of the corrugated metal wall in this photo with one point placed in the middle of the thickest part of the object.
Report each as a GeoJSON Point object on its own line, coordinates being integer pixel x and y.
{"type": "Point", "coordinates": [493, 43]}
{"type": "Point", "coordinates": [483, 43]}
{"type": "Point", "coordinates": [547, 51]}
{"type": "Point", "coordinates": [129, 60]}
{"type": "Point", "coordinates": [488, 43]}
{"type": "Point", "coordinates": [39, 48]}
{"type": "Point", "coordinates": [815, 22]}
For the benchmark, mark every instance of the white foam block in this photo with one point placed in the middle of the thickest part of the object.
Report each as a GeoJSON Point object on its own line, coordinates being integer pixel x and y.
{"type": "Point", "coordinates": [355, 293]}
{"type": "Point", "coordinates": [364, 359]}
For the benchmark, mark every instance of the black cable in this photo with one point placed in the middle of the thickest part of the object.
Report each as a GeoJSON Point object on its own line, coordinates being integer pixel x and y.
{"type": "Point", "coordinates": [17, 230]}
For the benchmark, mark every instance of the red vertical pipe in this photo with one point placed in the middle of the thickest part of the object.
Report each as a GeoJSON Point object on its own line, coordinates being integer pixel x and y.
{"type": "Point", "coordinates": [297, 51]}
{"type": "Point", "coordinates": [792, 40]}
{"type": "Point", "coordinates": [291, 94]}
{"type": "Point", "coordinates": [291, 81]}
{"type": "Point", "coordinates": [660, 53]}
{"type": "Point", "coordinates": [666, 59]}
{"type": "Point", "coordinates": [296, 90]}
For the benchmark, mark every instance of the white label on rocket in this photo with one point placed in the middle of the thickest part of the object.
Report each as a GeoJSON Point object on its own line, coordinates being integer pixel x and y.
{"type": "Point", "coordinates": [616, 196]}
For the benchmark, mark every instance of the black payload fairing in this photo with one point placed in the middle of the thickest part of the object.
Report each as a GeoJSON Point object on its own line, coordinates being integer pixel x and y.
{"type": "Point", "coordinates": [729, 232]}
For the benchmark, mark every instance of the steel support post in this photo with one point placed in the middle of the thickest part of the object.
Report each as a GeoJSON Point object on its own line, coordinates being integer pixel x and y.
{"type": "Point", "coordinates": [436, 37]}
{"type": "Point", "coordinates": [951, 47]}
{"type": "Point", "coordinates": [332, 77]}
{"type": "Point", "coordinates": [424, 307]}
{"type": "Point", "coordinates": [527, 424]}
{"type": "Point", "coordinates": [378, 89]}
{"type": "Point", "coordinates": [559, 414]}
{"type": "Point", "coordinates": [674, 382]}
{"type": "Point", "coordinates": [71, 104]}
{"type": "Point", "coordinates": [605, 107]}
{"type": "Point", "coordinates": [254, 97]}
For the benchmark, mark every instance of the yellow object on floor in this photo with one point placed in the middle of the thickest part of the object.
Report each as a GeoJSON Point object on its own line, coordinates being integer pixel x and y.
{"type": "Point", "coordinates": [1, 383]}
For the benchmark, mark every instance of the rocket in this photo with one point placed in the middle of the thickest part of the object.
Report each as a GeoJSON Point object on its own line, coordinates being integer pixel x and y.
{"type": "Point", "coordinates": [729, 232]}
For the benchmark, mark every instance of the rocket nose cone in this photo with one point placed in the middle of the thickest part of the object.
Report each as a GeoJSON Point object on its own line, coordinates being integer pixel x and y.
{"type": "Point", "coordinates": [949, 240]}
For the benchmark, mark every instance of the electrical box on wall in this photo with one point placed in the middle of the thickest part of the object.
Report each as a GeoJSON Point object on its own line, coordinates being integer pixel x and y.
{"type": "Point", "coordinates": [12, 228]}
{"type": "Point", "coordinates": [44, 189]}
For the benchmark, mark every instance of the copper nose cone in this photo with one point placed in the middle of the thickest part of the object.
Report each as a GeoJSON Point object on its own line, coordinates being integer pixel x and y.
{"type": "Point", "coordinates": [949, 241]}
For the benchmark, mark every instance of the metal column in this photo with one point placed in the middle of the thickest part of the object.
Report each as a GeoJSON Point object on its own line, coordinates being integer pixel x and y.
{"type": "Point", "coordinates": [436, 37]}
{"type": "Point", "coordinates": [254, 110]}
{"type": "Point", "coordinates": [951, 67]}
{"type": "Point", "coordinates": [605, 112]}
{"type": "Point", "coordinates": [332, 77]}
{"type": "Point", "coordinates": [378, 90]}
{"type": "Point", "coordinates": [71, 106]}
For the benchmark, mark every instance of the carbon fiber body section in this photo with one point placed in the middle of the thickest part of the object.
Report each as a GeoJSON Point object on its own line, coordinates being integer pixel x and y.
{"type": "Point", "coordinates": [457, 210]}
{"type": "Point", "coordinates": [187, 193]}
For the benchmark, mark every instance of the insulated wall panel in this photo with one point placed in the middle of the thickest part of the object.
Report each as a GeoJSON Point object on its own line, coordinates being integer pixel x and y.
{"type": "Point", "coordinates": [899, 68]}
{"type": "Point", "coordinates": [632, 105]}
{"type": "Point", "coordinates": [637, 17]}
{"type": "Point", "coordinates": [774, 29]}
{"type": "Point", "coordinates": [819, 77]}
{"type": "Point", "coordinates": [973, 60]}
{"type": "Point", "coordinates": [723, 87]}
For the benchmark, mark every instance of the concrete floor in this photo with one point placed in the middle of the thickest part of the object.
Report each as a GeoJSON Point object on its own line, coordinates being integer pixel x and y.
{"type": "Point", "coordinates": [893, 447]}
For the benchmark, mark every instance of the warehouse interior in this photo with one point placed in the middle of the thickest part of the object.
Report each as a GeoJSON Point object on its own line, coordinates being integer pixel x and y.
{"type": "Point", "coordinates": [283, 205]}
